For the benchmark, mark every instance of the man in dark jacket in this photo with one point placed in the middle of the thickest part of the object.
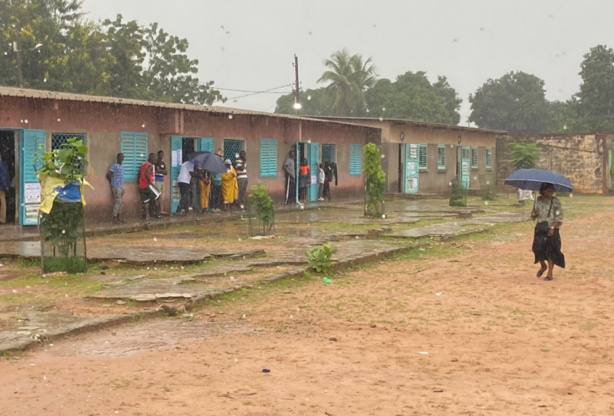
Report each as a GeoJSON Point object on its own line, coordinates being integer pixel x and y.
{"type": "Point", "coordinates": [289, 176]}
{"type": "Point", "coordinates": [5, 182]}
{"type": "Point", "coordinates": [330, 172]}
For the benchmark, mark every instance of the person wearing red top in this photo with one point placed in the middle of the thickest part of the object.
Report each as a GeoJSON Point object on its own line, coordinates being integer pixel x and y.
{"type": "Point", "coordinates": [145, 179]}
{"type": "Point", "coordinates": [304, 180]}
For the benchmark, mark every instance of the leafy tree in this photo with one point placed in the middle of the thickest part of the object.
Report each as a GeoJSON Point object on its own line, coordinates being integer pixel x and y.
{"type": "Point", "coordinates": [525, 154]}
{"type": "Point", "coordinates": [450, 98]}
{"type": "Point", "coordinates": [412, 97]}
{"type": "Point", "coordinates": [31, 32]}
{"type": "Point", "coordinates": [516, 102]}
{"type": "Point", "coordinates": [317, 102]}
{"type": "Point", "coordinates": [596, 96]}
{"type": "Point", "coordinates": [564, 118]}
{"type": "Point", "coordinates": [56, 49]}
{"type": "Point", "coordinates": [348, 77]}
{"type": "Point", "coordinates": [170, 74]}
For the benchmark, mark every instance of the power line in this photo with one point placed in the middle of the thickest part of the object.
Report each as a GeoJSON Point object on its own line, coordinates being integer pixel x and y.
{"type": "Point", "coordinates": [269, 91]}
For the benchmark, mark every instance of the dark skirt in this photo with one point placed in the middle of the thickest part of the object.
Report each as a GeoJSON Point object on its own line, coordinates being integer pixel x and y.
{"type": "Point", "coordinates": [545, 247]}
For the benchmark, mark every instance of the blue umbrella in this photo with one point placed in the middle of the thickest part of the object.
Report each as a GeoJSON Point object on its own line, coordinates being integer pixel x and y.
{"type": "Point", "coordinates": [531, 179]}
{"type": "Point", "coordinates": [208, 161]}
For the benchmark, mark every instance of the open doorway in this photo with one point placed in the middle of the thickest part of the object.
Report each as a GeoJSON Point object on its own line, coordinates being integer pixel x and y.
{"type": "Point", "coordinates": [7, 150]}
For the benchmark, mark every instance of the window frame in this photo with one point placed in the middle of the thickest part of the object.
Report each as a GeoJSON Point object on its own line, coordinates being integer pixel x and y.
{"type": "Point", "coordinates": [441, 157]}
{"type": "Point", "coordinates": [475, 152]}
{"type": "Point", "coordinates": [130, 144]}
{"type": "Point", "coordinates": [489, 157]}
{"type": "Point", "coordinates": [355, 161]}
{"type": "Point", "coordinates": [268, 158]}
{"type": "Point", "coordinates": [423, 148]}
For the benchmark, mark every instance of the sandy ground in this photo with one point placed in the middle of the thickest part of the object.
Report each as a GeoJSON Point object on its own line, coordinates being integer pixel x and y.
{"type": "Point", "coordinates": [469, 332]}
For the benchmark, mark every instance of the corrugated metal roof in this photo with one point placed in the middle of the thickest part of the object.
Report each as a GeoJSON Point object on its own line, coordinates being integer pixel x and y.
{"type": "Point", "coordinates": [54, 95]}
{"type": "Point", "coordinates": [356, 120]}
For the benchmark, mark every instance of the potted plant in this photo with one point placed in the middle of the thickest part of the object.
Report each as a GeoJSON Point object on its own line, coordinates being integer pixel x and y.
{"type": "Point", "coordinates": [61, 211]}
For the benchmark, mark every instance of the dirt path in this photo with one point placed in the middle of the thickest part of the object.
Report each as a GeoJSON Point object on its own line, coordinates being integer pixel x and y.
{"type": "Point", "coordinates": [470, 331]}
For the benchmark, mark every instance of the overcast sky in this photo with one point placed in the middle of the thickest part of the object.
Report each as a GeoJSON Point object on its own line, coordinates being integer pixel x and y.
{"type": "Point", "coordinates": [250, 45]}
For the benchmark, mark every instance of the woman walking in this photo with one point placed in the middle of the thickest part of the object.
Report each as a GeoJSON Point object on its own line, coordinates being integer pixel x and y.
{"type": "Point", "coordinates": [548, 212]}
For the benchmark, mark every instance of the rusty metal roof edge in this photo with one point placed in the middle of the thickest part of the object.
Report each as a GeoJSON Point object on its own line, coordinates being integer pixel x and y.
{"type": "Point", "coordinates": [416, 123]}
{"type": "Point", "coordinates": [56, 95]}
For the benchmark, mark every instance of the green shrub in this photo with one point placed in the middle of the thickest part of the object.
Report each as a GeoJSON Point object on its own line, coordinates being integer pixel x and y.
{"type": "Point", "coordinates": [320, 258]}
{"type": "Point", "coordinates": [458, 197]}
{"type": "Point", "coordinates": [375, 181]}
{"type": "Point", "coordinates": [261, 207]}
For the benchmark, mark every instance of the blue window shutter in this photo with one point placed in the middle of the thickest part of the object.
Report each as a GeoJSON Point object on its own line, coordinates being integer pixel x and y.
{"type": "Point", "coordinates": [127, 148]}
{"type": "Point", "coordinates": [140, 144]}
{"type": "Point", "coordinates": [205, 144]}
{"type": "Point", "coordinates": [134, 148]}
{"type": "Point", "coordinates": [268, 158]}
{"type": "Point", "coordinates": [355, 159]}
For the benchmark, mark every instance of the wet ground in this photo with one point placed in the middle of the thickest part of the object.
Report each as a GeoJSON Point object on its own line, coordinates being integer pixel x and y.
{"type": "Point", "coordinates": [152, 260]}
{"type": "Point", "coordinates": [450, 327]}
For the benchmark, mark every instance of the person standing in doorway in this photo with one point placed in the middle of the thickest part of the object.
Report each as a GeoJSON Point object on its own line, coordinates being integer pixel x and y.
{"type": "Point", "coordinates": [183, 180]}
{"type": "Point", "coordinates": [304, 179]}
{"type": "Point", "coordinates": [161, 172]}
{"type": "Point", "coordinates": [115, 175]}
{"type": "Point", "coordinates": [289, 175]}
{"type": "Point", "coordinates": [321, 179]}
{"type": "Point", "coordinates": [5, 182]}
{"type": "Point", "coordinates": [146, 182]}
{"type": "Point", "coordinates": [240, 166]}
{"type": "Point", "coordinates": [216, 188]}
{"type": "Point", "coordinates": [330, 172]}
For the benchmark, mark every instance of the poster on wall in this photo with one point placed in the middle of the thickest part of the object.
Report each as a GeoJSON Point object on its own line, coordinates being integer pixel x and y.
{"type": "Point", "coordinates": [465, 167]}
{"type": "Point", "coordinates": [32, 200]}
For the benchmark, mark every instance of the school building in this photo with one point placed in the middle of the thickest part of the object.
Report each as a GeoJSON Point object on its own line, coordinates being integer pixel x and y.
{"type": "Point", "coordinates": [424, 158]}
{"type": "Point", "coordinates": [33, 120]}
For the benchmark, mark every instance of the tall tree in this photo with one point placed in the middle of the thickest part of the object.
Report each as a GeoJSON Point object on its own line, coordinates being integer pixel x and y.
{"type": "Point", "coordinates": [450, 98]}
{"type": "Point", "coordinates": [516, 102]}
{"type": "Point", "coordinates": [46, 44]}
{"type": "Point", "coordinates": [563, 118]}
{"type": "Point", "coordinates": [412, 97]}
{"type": "Point", "coordinates": [596, 96]}
{"type": "Point", "coordinates": [348, 77]}
{"type": "Point", "coordinates": [31, 32]}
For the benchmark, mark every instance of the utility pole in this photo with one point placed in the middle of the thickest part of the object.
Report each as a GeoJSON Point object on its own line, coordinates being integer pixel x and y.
{"type": "Point", "coordinates": [17, 50]}
{"type": "Point", "coordinates": [297, 104]}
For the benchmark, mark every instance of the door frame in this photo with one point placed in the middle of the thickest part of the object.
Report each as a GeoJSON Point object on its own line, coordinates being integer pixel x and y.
{"type": "Point", "coordinates": [411, 169]}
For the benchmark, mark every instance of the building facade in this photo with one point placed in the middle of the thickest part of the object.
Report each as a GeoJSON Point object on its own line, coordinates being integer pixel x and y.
{"type": "Point", "coordinates": [426, 157]}
{"type": "Point", "coordinates": [32, 121]}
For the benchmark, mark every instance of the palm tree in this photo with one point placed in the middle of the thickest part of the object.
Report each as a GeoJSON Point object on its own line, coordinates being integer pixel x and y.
{"type": "Point", "coordinates": [349, 77]}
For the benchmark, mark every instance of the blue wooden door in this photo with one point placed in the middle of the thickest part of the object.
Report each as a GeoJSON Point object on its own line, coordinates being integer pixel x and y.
{"type": "Point", "coordinates": [176, 159]}
{"type": "Point", "coordinates": [465, 161]}
{"type": "Point", "coordinates": [31, 141]}
{"type": "Point", "coordinates": [410, 180]}
{"type": "Point", "coordinates": [313, 159]}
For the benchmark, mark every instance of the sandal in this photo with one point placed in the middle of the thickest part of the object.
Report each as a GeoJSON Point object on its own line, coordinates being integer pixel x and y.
{"type": "Point", "coordinates": [540, 272]}
{"type": "Point", "coordinates": [548, 278]}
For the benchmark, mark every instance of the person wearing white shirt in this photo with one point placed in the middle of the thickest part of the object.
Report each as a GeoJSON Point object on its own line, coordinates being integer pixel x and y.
{"type": "Point", "coordinates": [183, 180]}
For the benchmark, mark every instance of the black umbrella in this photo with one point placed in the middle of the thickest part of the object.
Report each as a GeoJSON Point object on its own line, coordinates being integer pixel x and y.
{"type": "Point", "coordinates": [208, 161]}
{"type": "Point", "coordinates": [531, 179]}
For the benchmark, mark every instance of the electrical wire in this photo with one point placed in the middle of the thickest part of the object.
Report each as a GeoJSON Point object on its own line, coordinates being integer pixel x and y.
{"type": "Point", "coordinates": [269, 91]}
